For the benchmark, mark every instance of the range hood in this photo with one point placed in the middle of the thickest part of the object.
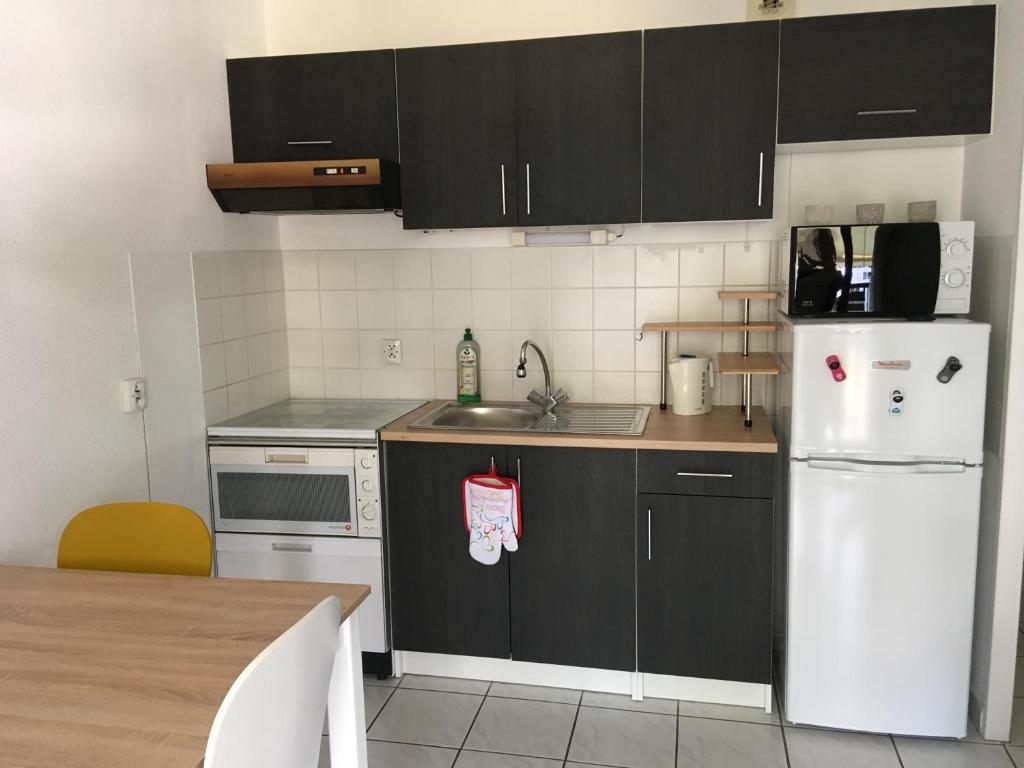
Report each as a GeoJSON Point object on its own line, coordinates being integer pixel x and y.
{"type": "Point", "coordinates": [306, 186]}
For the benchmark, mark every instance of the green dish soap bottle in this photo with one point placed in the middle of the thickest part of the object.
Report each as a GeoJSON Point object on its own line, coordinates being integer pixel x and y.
{"type": "Point", "coordinates": [467, 369]}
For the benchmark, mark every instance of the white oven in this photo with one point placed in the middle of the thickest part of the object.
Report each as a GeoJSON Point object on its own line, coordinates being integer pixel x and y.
{"type": "Point", "coordinates": [295, 490]}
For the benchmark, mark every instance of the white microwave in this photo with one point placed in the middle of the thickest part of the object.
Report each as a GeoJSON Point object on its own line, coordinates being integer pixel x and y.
{"type": "Point", "coordinates": [912, 270]}
{"type": "Point", "coordinates": [318, 491]}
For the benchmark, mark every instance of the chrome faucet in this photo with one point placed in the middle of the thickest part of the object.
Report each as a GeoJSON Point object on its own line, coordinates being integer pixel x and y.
{"type": "Point", "coordinates": [548, 401]}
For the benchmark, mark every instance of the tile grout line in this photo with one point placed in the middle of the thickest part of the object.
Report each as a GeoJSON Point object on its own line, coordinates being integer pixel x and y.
{"type": "Point", "coordinates": [469, 730]}
{"type": "Point", "coordinates": [381, 710]}
{"type": "Point", "coordinates": [572, 731]}
{"type": "Point", "coordinates": [899, 758]}
{"type": "Point", "coordinates": [1006, 749]}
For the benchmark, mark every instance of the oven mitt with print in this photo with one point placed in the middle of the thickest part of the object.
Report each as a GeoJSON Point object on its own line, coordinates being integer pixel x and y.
{"type": "Point", "coordinates": [491, 515]}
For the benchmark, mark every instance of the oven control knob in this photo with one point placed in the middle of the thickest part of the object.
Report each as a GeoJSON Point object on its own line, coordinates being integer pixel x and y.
{"type": "Point", "coordinates": [955, 278]}
{"type": "Point", "coordinates": [368, 461]}
{"type": "Point", "coordinates": [956, 249]}
{"type": "Point", "coordinates": [367, 485]}
{"type": "Point", "coordinates": [369, 511]}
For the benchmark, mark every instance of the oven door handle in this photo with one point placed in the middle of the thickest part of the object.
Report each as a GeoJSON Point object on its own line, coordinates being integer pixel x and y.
{"type": "Point", "coordinates": [287, 458]}
{"type": "Point", "coordinates": [278, 546]}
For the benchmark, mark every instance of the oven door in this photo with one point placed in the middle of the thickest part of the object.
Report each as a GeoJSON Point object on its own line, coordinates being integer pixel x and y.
{"type": "Point", "coordinates": [284, 490]}
{"type": "Point", "coordinates": [876, 270]}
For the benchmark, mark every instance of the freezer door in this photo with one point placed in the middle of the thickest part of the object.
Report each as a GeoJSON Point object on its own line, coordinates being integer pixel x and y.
{"type": "Point", "coordinates": [890, 402]}
{"type": "Point", "coordinates": [881, 598]}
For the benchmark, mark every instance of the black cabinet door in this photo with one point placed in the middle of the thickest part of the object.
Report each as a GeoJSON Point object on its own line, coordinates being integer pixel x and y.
{"type": "Point", "coordinates": [578, 129]}
{"type": "Point", "coordinates": [704, 587]}
{"type": "Point", "coordinates": [442, 601]}
{"type": "Point", "coordinates": [710, 96]}
{"type": "Point", "coordinates": [572, 579]}
{"type": "Point", "coordinates": [883, 75]}
{"type": "Point", "coordinates": [315, 106]}
{"type": "Point", "coordinates": [457, 117]}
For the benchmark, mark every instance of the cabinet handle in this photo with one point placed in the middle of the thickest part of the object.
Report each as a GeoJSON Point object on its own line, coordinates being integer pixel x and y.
{"type": "Point", "coordinates": [304, 143]}
{"type": "Point", "coordinates": [519, 473]}
{"type": "Point", "coordinates": [870, 112]}
{"type": "Point", "coordinates": [527, 189]}
{"type": "Point", "coordinates": [704, 474]}
{"type": "Point", "coordinates": [503, 211]}
{"type": "Point", "coordinates": [648, 533]}
{"type": "Point", "coordinates": [278, 547]}
{"type": "Point", "coordinates": [760, 179]}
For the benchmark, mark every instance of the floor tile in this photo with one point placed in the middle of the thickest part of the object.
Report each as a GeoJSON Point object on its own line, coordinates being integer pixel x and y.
{"type": "Point", "coordinates": [726, 712]}
{"type": "Point", "coordinates": [381, 754]}
{"type": "Point", "coordinates": [374, 697]}
{"type": "Point", "coordinates": [447, 684]}
{"type": "Point", "coordinates": [512, 726]}
{"type": "Point", "coordinates": [387, 682]}
{"type": "Point", "coordinates": [621, 738]}
{"type": "Point", "coordinates": [925, 753]}
{"type": "Point", "coordinates": [426, 717]}
{"type": "Point", "coordinates": [535, 693]}
{"type": "Point", "coordinates": [469, 759]}
{"type": "Point", "coordinates": [621, 701]}
{"type": "Point", "coordinates": [813, 748]}
{"type": "Point", "coordinates": [1017, 754]}
{"type": "Point", "coordinates": [714, 743]}
{"type": "Point", "coordinates": [1017, 723]}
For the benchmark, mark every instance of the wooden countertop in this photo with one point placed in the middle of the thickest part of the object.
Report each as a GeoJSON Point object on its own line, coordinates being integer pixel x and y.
{"type": "Point", "coordinates": [127, 669]}
{"type": "Point", "coordinates": [720, 430]}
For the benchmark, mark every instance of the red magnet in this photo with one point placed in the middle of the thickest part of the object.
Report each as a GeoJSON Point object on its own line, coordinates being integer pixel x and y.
{"type": "Point", "coordinates": [832, 361]}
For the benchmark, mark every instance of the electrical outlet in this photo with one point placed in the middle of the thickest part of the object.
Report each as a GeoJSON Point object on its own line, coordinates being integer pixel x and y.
{"type": "Point", "coordinates": [758, 10]}
{"type": "Point", "coordinates": [391, 349]}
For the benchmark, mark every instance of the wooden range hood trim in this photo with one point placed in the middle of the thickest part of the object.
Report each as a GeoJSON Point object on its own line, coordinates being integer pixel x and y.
{"type": "Point", "coordinates": [291, 174]}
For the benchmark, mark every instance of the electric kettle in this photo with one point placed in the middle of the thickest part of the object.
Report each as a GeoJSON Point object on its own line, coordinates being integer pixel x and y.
{"type": "Point", "coordinates": [693, 377]}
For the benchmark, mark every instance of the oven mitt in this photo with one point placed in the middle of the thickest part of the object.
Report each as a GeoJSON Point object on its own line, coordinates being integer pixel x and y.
{"type": "Point", "coordinates": [491, 515]}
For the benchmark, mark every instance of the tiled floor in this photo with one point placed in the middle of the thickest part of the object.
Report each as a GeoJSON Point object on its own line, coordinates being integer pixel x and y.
{"type": "Point", "coordinates": [429, 722]}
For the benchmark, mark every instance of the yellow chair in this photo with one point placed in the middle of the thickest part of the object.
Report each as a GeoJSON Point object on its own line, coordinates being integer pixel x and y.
{"type": "Point", "coordinates": [137, 536]}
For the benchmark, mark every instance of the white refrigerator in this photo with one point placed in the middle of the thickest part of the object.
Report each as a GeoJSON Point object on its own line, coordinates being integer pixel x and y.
{"type": "Point", "coordinates": [883, 421]}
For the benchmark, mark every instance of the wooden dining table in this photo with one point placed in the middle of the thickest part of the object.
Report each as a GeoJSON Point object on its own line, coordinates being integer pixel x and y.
{"type": "Point", "coordinates": [101, 669]}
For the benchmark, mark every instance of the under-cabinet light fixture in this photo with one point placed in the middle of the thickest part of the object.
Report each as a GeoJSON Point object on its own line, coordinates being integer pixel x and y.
{"type": "Point", "coordinates": [578, 237]}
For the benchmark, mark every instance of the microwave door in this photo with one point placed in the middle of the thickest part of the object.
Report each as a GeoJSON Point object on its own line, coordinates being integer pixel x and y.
{"type": "Point", "coordinates": [905, 269]}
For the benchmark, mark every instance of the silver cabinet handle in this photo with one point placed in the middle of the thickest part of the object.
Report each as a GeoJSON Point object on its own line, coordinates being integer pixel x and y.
{"type": "Point", "coordinates": [519, 473]}
{"type": "Point", "coordinates": [503, 211]}
{"type": "Point", "coordinates": [527, 189]}
{"type": "Point", "coordinates": [869, 112]}
{"type": "Point", "coordinates": [703, 474]}
{"type": "Point", "coordinates": [760, 179]}
{"type": "Point", "coordinates": [279, 547]}
{"type": "Point", "coordinates": [648, 533]}
{"type": "Point", "coordinates": [304, 143]}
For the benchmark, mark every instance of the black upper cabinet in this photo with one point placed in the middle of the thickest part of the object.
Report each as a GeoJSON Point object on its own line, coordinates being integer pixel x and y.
{"type": "Point", "coordinates": [710, 96]}
{"type": "Point", "coordinates": [312, 107]}
{"type": "Point", "coordinates": [704, 587]}
{"type": "Point", "coordinates": [442, 600]}
{"type": "Point", "coordinates": [885, 75]}
{"type": "Point", "coordinates": [578, 129]}
{"type": "Point", "coordinates": [572, 577]}
{"type": "Point", "coordinates": [457, 116]}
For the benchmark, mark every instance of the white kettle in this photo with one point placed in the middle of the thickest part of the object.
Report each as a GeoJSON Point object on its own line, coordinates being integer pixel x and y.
{"type": "Point", "coordinates": [693, 377]}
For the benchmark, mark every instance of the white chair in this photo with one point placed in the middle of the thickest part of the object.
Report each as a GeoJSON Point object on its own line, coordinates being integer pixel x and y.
{"type": "Point", "coordinates": [273, 714]}
{"type": "Point", "coordinates": [346, 710]}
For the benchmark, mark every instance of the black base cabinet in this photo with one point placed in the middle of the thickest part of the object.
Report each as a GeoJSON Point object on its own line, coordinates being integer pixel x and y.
{"type": "Point", "coordinates": [704, 587]}
{"type": "Point", "coordinates": [442, 601]}
{"type": "Point", "coordinates": [572, 578]}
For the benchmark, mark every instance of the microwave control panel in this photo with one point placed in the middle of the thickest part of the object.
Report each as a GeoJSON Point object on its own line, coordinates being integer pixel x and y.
{"type": "Point", "coordinates": [957, 255]}
{"type": "Point", "coordinates": [368, 512]}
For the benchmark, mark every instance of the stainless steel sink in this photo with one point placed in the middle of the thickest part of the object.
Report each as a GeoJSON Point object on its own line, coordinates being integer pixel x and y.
{"type": "Point", "coordinates": [525, 417]}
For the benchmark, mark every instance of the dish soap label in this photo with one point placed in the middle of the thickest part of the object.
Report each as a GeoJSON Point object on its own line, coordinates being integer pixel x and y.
{"type": "Point", "coordinates": [467, 366]}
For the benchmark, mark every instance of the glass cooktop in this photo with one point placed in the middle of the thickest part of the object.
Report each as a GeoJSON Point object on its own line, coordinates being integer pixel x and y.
{"type": "Point", "coordinates": [355, 419]}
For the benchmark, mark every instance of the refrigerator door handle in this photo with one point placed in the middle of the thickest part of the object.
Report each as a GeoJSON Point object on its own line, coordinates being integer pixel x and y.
{"type": "Point", "coordinates": [837, 464]}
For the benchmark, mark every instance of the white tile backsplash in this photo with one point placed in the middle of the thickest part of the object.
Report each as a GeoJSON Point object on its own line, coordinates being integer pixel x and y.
{"type": "Point", "coordinates": [324, 315]}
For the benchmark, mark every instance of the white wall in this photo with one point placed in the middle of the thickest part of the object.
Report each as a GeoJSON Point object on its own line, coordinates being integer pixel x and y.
{"type": "Point", "coordinates": [308, 26]}
{"type": "Point", "coordinates": [110, 111]}
{"type": "Point", "coordinates": [992, 197]}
